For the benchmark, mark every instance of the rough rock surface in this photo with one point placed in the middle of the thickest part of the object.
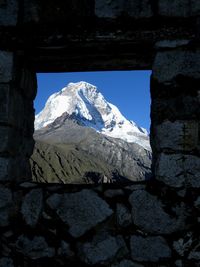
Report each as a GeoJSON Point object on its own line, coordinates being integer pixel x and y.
{"type": "Point", "coordinates": [66, 152]}
{"type": "Point", "coordinates": [147, 211]}
{"type": "Point", "coordinates": [6, 262]}
{"type": "Point", "coordinates": [169, 64]}
{"type": "Point", "coordinates": [127, 263]}
{"type": "Point", "coordinates": [35, 248]}
{"type": "Point", "coordinates": [149, 249]}
{"type": "Point", "coordinates": [65, 250]}
{"type": "Point", "coordinates": [80, 211]}
{"type": "Point", "coordinates": [6, 66]}
{"type": "Point", "coordinates": [8, 13]}
{"type": "Point", "coordinates": [178, 170]}
{"type": "Point", "coordinates": [195, 253]}
{"type": "Point", "coordinates": [179, 135]}
{"type": "Point", "coordinates": [123, 215]}
{"type": "Point", "coordinates": [103, 251]}
{"type": "Point", "coordinates": [32, 206]}
{"type": "Point", "coordinates": [183, 245]}
{"type": "Point", "coordinates": [113, 193]}
{"type": "Point", "coordinates": [5, 205]}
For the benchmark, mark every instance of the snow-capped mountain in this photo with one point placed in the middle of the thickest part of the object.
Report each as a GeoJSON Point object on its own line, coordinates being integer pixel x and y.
{"type": "Point", "coordinates": [91, 109]}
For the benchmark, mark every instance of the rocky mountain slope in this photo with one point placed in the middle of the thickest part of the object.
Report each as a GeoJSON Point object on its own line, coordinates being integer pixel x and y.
{"type": "Point", "coordinates": [82, 144]}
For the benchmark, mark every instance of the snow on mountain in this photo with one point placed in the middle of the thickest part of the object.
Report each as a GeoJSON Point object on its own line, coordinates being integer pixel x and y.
{"type": "Point", "coordinates": [88, 104]}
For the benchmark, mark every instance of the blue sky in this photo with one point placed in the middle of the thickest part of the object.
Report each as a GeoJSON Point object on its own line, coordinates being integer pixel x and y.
{"type": "Point", "coordinates": [128, 90]}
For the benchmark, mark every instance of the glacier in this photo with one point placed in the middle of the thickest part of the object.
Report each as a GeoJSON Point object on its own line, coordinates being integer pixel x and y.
{"type": "Point", "coordinates": [86, 102]}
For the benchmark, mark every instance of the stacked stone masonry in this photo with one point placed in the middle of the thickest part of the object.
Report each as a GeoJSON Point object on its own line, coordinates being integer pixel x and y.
{"type": "Point", "coordinates": [141, 225]}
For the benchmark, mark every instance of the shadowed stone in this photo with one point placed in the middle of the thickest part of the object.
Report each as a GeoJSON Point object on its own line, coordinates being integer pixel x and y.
{"type": "Point", "coordinates": [195, 7]}
{"type": "Point", "coordinates": [150, 249]}
{"type": "Point", "coordinates": [32, 206]}
{"type": "Point", "coordinates": [80, 211]}
{"type": "Point", "coordinates": [169, 64]}
{"type": "Point", "coordinates": [179, 263]}
{"type": "Point", "coordinates": [183, 244]}
{"type": "Point", "coordinates": [127, 263]}
{"type": "Point", "coordinates": [114, 8]}
{"type": "Point", "coordinates": [178, 170]}
{"type": "Point", "coordinates": [6, 65]}
{"type": "Point", "coordinates": [178, 135]}
{"type": "Point", "coordinates": [65, 250]}
{"type": "Point", "coordinates": [9, 13]}
{"type": "Point", "coordinates": [197, 203]}
{"type": "Point", "coordinates": [108, 8]}
{"type": "Point", "coordinates": [171, 43]}
{"type": "Point", "coordinates": [5, 206]}
{"type": "Point", "coordinates": [35, 248]}
{"type": "Point", "coordinates": [32, 11]}
{"type": "Point", "coordinates": [195, 253]}
{"type": "Point", "coordinates": [178, 8]}
{"type": "Point", "coordinates": [6, 262]}
{"type": "Point", "coordinates": [148, 214]}
{"type": "Point", "coordinates": [113, 193]}
{"type": "Point", "coordinates": [5, 197]}
{"type": "Point", "coordinates": [124, 218]}
{"type": "Point", "coordinates": [103, 251]}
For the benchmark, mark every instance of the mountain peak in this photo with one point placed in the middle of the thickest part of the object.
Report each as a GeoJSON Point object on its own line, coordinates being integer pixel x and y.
{"type": "Point", "coordinates": [80, 84]}
{"type": "Point", "coordinates": [83, 100]}
{"type": "Point", "coordinates": [76, 86]}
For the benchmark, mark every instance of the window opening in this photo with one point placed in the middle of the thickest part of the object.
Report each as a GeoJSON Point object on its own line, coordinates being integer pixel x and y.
{"type": "Point", "coordinates": [92, 127]}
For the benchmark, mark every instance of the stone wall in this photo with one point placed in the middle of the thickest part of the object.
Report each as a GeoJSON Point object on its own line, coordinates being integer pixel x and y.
{"type": "Point", "coordinates": [18, 90]}
{"type": "Point", "coordinates": [137, 225]}
{"type": "Point", "coordinates": [151, 224]}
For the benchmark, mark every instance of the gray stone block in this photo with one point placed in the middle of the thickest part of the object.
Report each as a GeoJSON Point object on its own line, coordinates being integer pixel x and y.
{"type": "Point", "coordinates": [178, 8]}
{"type": "Point", "coordinates": [171, 43]}
{"type": "Point", "coordinates": [149, 215]}
{"type": "Point", "coordinates": [178, 135]}
{"type": "Point", "coordinates": [6, 262]}
{"type": "Point", "coordinates": [103, 251]}
{"type": "Point", "coordinates": [31, 11]}
{"type": "Point", "coordinates": [195, 7]}
{"type": "Point", "coordinates": [183, 245]}
{"type": "Point", "coordinates": [5, 197]}
{"type": "Point", "coordinates": [11, 141]}
{"type": "Point", "coordinates": [12, 109]}
{"type": "Point", "coordinates": [110, 193]}
{"type": "Point", "coordinates": [123, 215]}
{"type": "Point", "coordinates": [80, 211]}
{"type": "Point", "coordinates": [9, 13]}
{"type": "Point", "coordinates": [15, 169]}
{"type": "Point", "coordinates": [32, 207]}
{"type": "Point", "coordinates": [108, 8]}
{"type": "Point", "coordinates": [169, 64]}
{"type": "Point", "coordinates": [65, 250]}
{"type": "Point", "coordinates": [195, 253]}
{"type": "Point", "coordinates": [149, 249]}
{"type": "Point", "coordinates": [139, 9]}
{"type": "Point", "coordinates": [127, 263]}
{"type": "Point", "coordinates": [178, 170]}
{"type": "Point", "coordinates": [6, 65]}
{"type": "Point", "coordinates": [4, 138]}
{"type": "Point", "coordinates": [35, 248]}
{"type": "Point", "coordinates": [111, 8]}
{"type": "Point", "coordinates": [4, 102]}
{"type": "Point", "coordinates": [197, 203]}
{"type": "Point", "coordinates": [5, 206]}
{"type": "Point", "coordinates": [5, 166]}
